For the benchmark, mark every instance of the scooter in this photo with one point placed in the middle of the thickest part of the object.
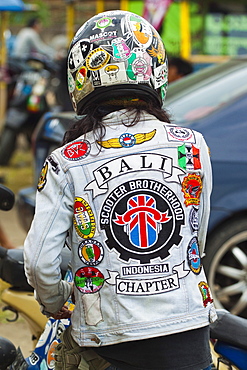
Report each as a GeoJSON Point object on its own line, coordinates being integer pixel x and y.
{"type": "Point", "coordinates": [18, 297]}
{"type": "Point", "coordinates": [29, 101]}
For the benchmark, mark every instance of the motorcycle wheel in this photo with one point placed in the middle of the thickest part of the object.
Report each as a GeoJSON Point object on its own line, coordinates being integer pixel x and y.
{"type": "Point", "coordinates": [7, 145]}
{"type": "Point", "coordinates": [226, 267]}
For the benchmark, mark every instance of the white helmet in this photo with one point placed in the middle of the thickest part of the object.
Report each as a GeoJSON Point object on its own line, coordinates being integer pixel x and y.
{"type": "Point", "coordinates": [116, 54]}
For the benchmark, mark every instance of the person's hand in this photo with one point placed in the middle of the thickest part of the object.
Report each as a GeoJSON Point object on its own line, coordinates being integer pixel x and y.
{"type": "Point", "coordinates": [64, 313]}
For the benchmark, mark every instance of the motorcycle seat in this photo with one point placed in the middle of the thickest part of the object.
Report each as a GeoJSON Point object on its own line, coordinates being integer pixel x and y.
{"type": "Point", "coordinates": [236, 356]}
{"type": "Point", "coordinates": [12, 267]}
{"type": "Point", "coordinates": [230, 329]}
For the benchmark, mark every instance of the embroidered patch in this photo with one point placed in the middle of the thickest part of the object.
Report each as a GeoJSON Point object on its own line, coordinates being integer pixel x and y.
{"type": "Point", "coordinates": [127, 140]}
{"type": "Point", "coordinates": [175, 133]}
{"type": "Point", "coordinates": [205, 292]}
{"type": "Point", "coordinates": [142, 220]}
{"type": "Point", "coordinates": [158, 268]}
{"type": "Point", "coordinates": [84, 220]}
{"type": "Point", "coordinates": [54, 164]}
{"type": "Point", "coordinates": [132, 163]}
{"type": "Point", "coordinates": [193, 255]}
{"type": "Point", "coordinates": [189, 157]}
{"type": "Point", "coordinates": [76, 150]}
{"type": "Point", "coordinates": [91, 252]}
{"type": "Point", "coordinates": [193, 219]}
{"type": "Point", "coordinates": [147, 286]}
{"type": "Point", "coordinates": [43, 177]}
{"type": "Point", "coordinates": [192, 188]}
{"type": "Point", "coordinates": [88, 280]}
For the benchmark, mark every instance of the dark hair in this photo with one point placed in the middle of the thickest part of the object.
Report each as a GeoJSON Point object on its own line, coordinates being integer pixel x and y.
{"type": "Point", "coordinates": [184, 67]}
{"type": "Point", "coordinates": [33, 21]}
{"type": "Point", "coordinates": [92, 120]}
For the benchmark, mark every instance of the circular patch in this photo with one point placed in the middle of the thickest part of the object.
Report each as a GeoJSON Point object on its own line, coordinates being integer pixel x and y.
{"type": "Point", "coordinates": [180, 133]}
{"type": "Point", "coordinates": [76, 150]}
{"type": "Point", "coordinates": [97, 59]}
{"type": "Point", "coordinates": [127, 140]}
{"type": "Point", "coordinates": [88, 280]}
{"type": "Point", "coordinates": [91, 252]}
{"type": "Point", "coordinates": [193, 255]}
{"type": "Point", "coordinates": [143, 222]}
{"type": "Point", "coordinates": [84, 220]}
{"type": "Point", "coordinates": [104, 22]}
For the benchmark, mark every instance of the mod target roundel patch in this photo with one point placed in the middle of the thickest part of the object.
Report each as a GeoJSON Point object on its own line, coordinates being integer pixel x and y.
{"type": "Point", "coordinates": [142, 220]}
{"type": "Point", "coordinates": [91, 252]}
{"type": "Point", "coordinates": [76, 150]}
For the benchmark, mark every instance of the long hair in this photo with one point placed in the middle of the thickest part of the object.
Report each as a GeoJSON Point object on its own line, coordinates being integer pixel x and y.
{"type": "Point", "coordinates": [93, 116]}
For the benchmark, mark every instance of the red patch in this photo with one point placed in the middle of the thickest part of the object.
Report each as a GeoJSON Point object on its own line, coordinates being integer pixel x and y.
{"type": "Point", "coordinates": [192, 188]}
{"type": "Point", "coordinates": [76, 150]}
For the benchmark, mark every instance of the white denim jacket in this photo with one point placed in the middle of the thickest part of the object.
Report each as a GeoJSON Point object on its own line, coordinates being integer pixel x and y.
{"type": "Point", "coordinates": [136, 207]}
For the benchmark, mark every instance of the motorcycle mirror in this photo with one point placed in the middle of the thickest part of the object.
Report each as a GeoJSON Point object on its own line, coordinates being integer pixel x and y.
{"type": "Point", "coordinates": [7, 198]}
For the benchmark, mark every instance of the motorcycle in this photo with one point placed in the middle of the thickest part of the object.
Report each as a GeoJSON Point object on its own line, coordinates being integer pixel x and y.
{"type": "Point", "coordinates": [31, 98]}
{"type": "Point", "coordinates": [18, 297]}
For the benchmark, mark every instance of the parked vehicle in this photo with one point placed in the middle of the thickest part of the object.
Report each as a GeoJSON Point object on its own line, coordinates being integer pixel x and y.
{"type": "Point", "coordinates": [28, 103]}
{"type": "Point", "coordinates": [18, 297]}
{"type": "Point", "coordinates": [212, 101]}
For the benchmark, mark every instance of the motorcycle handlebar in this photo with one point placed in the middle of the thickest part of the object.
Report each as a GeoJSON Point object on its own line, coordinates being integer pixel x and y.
{"type": "Point", "coordinates": [7, 198]}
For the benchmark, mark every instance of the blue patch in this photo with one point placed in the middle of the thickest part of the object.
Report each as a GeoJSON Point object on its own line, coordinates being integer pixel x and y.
{"type": "Point", "coordinates": [127, 140]}
{"type": "Point", "coordinates": [193, 255]}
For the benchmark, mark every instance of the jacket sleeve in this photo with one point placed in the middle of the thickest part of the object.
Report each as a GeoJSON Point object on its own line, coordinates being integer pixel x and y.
{"type": "Point", "coordinates": [204, 212]}
{"type": "Point", "coordinates": [46, 239]}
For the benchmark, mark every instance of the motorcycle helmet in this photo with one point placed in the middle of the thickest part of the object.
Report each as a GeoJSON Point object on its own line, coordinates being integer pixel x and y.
{"type": "Point", "coordinates": [116, 54]}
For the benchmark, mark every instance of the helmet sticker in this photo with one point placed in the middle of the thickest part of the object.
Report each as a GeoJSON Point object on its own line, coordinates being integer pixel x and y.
{"type": "Point", "coordinates": [161, 76]}
{"type": "Point", "coordinates": [76, 150]}
{"type": "Point", "coordinates": [71, 82]}
{"type": "Point", "coordinates": [139, 65]}
{"type": "Point", "coordinates": [141, 30]}
{"type": "Point", "coordinates": [81, 76]}
{"type": "Point", "coordinates": [97, 59]}
{"type": "Point", "coordinates": [78, 54]}
{"type": "Point", "coordinates": [120, 49]}
{"type": "Point", "coordinates": [113, 73]}
{"type": "Point", "coordinates": [103, 23]}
